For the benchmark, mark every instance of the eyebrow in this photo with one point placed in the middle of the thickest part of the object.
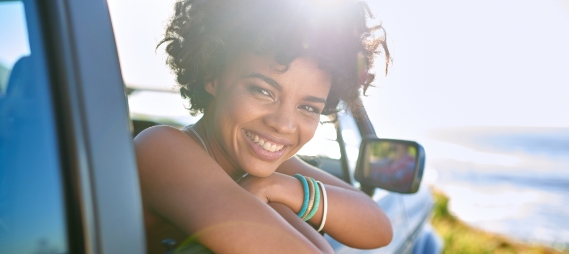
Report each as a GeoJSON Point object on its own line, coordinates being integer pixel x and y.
{"type": "Point", "coordinates": [267, 80]}
{"type": "Point", "coordinates": [277, 86]}
{"type": "Point", "coordinates": [315, 99]}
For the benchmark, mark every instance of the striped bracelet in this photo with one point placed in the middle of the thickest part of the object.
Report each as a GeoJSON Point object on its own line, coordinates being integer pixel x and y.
{"type": "Point", "coordinates": [325, 206]}
{"type": "Point", "coordinates": [316, 200]}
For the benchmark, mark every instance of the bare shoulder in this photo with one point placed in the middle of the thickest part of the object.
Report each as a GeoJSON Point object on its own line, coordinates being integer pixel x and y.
{"type": "Point", "coordinates": [158, 136]}
{"type": "Point", "coordinates": [160, 145]}
{"type": "Point", "coordinates": [166, 153]}
{"type": "Point", "coordinates": [169, 161]}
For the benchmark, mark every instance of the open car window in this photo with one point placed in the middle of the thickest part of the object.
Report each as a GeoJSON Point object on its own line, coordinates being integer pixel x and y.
{"type": "Point", "coordinates": [323, 150]}
{"type": "Point", "coordinates": [32, 203]}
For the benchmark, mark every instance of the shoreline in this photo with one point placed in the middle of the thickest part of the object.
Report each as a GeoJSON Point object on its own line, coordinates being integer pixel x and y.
{"type": "Point", "coordinates": [460, 237]}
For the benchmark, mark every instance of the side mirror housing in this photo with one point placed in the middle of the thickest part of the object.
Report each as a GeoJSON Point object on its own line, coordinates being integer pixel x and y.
{"type": "Point", "coordinates": [391, 164]}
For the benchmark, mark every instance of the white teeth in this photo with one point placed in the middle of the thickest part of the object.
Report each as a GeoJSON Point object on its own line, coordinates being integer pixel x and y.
{"type": "Point", "coordinates": [262, 143]}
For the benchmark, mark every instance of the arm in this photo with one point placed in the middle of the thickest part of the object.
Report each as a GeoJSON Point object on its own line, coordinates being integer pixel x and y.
{"type": "Point", "coordinates": [302, 227]}
{"type": "Point", "coordinates": [353, 218]}
{"type": "Point", "coordinates": [181, 183]}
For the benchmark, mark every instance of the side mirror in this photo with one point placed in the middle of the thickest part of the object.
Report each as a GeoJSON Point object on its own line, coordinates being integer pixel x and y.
{"type": "Point", "coordinates": [390, 164]}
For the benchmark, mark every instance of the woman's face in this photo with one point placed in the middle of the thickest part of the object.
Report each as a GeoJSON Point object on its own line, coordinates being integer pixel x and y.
{"type": "Point", "coordinates": [262, 117]}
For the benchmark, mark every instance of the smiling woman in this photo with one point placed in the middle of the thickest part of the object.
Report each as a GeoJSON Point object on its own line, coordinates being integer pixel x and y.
{"type": "Point", "coordinates": [262, 73]}
{"type": "Point", "coordinates": [259, 109]}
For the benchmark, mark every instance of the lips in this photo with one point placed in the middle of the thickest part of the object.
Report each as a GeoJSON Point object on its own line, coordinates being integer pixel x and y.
{"type": "Point", "coordinates": [264, 147]}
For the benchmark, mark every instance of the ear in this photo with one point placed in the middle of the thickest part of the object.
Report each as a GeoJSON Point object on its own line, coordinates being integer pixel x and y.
{"type": "Point", "coordinates": [211, 87]}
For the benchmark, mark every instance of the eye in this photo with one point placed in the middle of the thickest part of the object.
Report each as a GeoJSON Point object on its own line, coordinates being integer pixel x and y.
{"type": "Point", "coordinates": [262, 91]}
{"type": "Point", "coordinates": [265, 92]}
{"type": "Point", "coordinates": [310, 109]}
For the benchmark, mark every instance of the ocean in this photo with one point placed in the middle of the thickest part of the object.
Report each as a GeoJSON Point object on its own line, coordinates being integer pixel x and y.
{"type": "Point", "coordinates": [512, 181]}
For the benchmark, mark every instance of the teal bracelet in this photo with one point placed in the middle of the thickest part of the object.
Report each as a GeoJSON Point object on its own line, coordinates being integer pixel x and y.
{"type": "Point", "coordinates": [316, 200]}
{"type": "Point", "coordinates": [312, 192]}
{"type": "Point", "coordinates": [306, 194]}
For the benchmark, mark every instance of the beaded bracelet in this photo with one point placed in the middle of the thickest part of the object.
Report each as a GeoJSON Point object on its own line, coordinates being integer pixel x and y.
{"type": "Point", "coordinates": [316, 200]}
{"type": "Point", "coordinates": [306, 194]}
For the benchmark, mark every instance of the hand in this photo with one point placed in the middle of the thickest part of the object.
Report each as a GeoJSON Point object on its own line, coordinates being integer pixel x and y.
{"type": "Point", "coordinates": [258, 186]}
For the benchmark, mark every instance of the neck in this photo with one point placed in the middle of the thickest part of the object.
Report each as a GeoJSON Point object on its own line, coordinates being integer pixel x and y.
{"type": "Point", "coordinates": [206, 126]}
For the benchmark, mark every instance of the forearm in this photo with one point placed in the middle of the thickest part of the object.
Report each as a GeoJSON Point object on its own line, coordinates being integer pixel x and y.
{"type": "Point", "coordinates": [352, 217]}
{"type": "Point", "coordinates": [302, 227]}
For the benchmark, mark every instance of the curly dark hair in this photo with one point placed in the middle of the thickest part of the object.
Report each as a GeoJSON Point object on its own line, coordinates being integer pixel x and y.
{"type": "Point", "coordinates": [204, 34]}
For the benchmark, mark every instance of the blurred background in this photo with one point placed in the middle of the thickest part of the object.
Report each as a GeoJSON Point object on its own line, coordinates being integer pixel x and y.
{"type": "Point", "coordinates": [482, 85]}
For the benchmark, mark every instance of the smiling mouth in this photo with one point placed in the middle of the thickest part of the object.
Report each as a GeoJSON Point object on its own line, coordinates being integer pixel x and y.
{"type": "Point", "coordinates": [266, 145]}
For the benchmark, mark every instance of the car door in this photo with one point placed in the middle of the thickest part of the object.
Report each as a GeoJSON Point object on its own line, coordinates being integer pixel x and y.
{"type": "Point", "coordinates": [68, 180]}
{"type": "Point", "coordinates": [351, 134]}
{"type": "Point", "coordinates": [337, 151]}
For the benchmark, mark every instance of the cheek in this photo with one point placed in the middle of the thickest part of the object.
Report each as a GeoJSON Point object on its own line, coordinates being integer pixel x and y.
{"type": "Point", "coordinates": [236, 108]}
{"type": "Point", "coordinates": [231, 112]}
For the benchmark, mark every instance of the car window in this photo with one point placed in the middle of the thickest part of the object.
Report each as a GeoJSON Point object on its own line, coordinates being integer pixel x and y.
{"type": "Point", "coordinates": [324, 143]}
{"type": "Point", "coordinates": [32, 207]}
{"type": "Point", "coordinates": [352, 139]}
{"type": "Point", "coordinates": [14, 39]}
{"type": "Point", "coordinates": [323, 149]}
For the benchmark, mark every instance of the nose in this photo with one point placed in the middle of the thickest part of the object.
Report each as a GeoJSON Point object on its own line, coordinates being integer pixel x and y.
{"type": "Point", "coordinates": [282, 119]}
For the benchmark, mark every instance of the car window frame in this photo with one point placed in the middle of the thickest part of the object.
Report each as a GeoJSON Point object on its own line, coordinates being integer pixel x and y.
{"type": "Point", "coordinates": [101, 179]}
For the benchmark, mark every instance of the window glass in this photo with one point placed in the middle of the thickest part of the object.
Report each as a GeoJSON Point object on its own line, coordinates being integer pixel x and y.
{"type": "Point", "coordinates": [32, 208]}
{"type": "Point", "coordinates": [323, 143]}
{"type": "Point", "coordinates": [323, 150]}
{"type": "Point", "coordinates": [14, 39]}
{"type": "Point", "coordinates": [352, 139]}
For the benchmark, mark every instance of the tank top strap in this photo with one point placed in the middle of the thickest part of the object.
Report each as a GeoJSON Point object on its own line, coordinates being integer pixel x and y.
{"type": "Point", "coordinates": [191, 128]}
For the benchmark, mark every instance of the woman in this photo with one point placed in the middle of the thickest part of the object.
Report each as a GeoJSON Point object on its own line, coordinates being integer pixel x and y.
{"type": "Point", "coordinates": [261, 72]}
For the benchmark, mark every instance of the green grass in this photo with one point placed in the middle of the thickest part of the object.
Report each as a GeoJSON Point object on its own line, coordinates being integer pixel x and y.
{"type": "Point", "coordinates": [459, 237]}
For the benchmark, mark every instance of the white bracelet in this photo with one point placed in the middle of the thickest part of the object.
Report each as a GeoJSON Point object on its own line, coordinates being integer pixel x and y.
{"type": "Point", "coordinates": [325, 205]}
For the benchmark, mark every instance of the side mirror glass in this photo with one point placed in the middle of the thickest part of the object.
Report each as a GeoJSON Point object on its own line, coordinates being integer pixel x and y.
{"type": "Point", "coordinates": [390, 164]}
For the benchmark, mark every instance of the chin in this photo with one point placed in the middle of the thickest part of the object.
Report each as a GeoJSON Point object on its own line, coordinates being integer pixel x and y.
{"type": "Point", "coordinates": [262, 169]}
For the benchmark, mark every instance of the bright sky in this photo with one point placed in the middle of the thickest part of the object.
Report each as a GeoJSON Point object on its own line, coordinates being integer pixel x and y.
{"type": "Point", "coordinates": [483, 62]}
{"type": "Point", "coordinates": [12, 32]}
{"type": "Point", "coordinates": [139, 26]}
{"type": "Point", "coordinates": [455, 63]}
